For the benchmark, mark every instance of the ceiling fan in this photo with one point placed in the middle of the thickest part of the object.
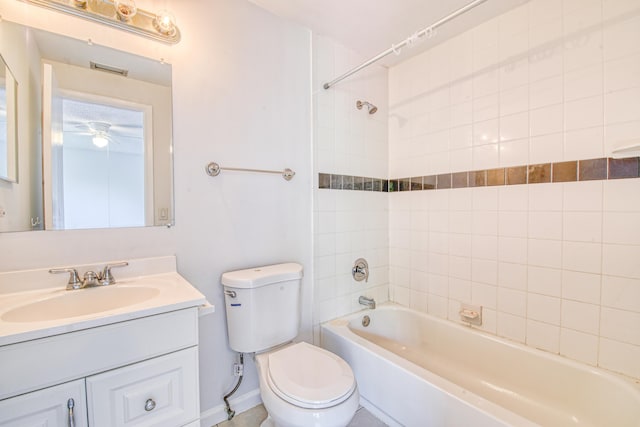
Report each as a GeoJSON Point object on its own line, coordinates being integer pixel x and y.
{"type": "Point", "coordinates": [102, 133]}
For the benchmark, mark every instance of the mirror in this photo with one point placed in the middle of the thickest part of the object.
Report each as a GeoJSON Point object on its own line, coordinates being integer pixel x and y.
{"type": "Point", "coordinates": [8, 110]}
{"type": "Point", "coordinates": [106, 133]}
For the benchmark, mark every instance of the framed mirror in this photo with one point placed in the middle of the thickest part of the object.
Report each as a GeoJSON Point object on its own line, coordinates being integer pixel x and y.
{"type": "Point", "coordinates": [106, 133]}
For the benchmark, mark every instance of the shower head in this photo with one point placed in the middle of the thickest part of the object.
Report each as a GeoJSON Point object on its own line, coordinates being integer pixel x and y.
{"type": "Point", "coordinates": [372, 108]}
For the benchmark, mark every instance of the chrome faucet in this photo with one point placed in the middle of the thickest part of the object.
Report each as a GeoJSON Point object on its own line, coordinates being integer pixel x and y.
{"type": "Point", "coordinates": [90, 278]}
{"type": "Point", "coordinates": [367, 302]}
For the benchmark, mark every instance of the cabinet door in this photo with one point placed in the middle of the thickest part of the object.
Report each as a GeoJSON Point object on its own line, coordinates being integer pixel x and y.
{"type": "Point", "coordinates": [157, 392]}
{"type": "Point", "coordinates": [49, 407]}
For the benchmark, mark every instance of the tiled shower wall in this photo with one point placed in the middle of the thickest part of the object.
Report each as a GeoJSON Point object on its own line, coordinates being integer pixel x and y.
{"type": "Point", "coordinates": [555, 265]}
{"type": "Point", "coordinates": [348, 224]}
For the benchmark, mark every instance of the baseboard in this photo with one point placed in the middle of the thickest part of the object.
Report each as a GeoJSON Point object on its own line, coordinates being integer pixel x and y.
{"type": "Point", "coordinates": [378, 413]}
{"type": "Point", "coordinates": [217, 414]}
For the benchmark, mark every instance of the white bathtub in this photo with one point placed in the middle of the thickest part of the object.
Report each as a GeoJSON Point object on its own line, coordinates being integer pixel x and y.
{"type": "Point", "coordinates": [416, 370]}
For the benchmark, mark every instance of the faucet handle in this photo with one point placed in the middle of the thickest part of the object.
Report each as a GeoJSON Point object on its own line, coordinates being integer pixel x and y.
{"type": "Point", "coordinates": [106, 278]}
{"type": "Point", "coordinates": [74, 280]}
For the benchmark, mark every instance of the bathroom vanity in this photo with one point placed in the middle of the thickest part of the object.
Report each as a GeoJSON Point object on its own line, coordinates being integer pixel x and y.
{"type": "Point", "coordinates": [122, 364]}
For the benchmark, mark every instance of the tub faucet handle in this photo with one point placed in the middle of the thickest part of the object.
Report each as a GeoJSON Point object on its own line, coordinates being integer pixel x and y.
{"type": "Point", "coordinates": [360, 270]}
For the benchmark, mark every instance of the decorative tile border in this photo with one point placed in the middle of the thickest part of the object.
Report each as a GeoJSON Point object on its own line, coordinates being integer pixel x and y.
{"type": "Point", "coordinates": [577, 170]}
{"type": "Point", "coordinates": [349, 182]}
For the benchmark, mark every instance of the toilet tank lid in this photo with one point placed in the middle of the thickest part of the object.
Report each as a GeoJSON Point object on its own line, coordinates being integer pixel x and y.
{"type": "Point", "coordinates": [261, 276]}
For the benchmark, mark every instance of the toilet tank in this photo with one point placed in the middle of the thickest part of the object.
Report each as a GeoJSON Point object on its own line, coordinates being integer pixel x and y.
{"type": "Point", "coordinates": [262, 305]}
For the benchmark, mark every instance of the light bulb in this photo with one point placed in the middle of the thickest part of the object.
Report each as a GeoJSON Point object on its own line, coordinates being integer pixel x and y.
{"type": "Point", "coordinates": [100, 141]}
{"type": "Point", "coordinates": [165, 23]}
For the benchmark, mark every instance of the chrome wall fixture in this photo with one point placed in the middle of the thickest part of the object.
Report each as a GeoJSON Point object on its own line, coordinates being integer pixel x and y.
{"type": "Point", "coordinates": [213, 169]}
{"type": "Point", "coordinates": [121, 14]}
{"type": "Point", "coordinates": [372, 108]}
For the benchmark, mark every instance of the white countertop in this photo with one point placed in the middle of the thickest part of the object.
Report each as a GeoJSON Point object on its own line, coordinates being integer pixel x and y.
{"type": "Point", "coordinates": [174, 293]}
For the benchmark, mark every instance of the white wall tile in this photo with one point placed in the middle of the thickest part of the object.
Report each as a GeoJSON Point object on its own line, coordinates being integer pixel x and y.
{"type": "Point", "coordinates": [620, 325]}
{"type": "Point", "coordinates": [580, 316]}
{"type": "Point", "coordinates": [545, 281]}
{"type": "Point", "coordinates": [582, 226]}
{"type": "Point", "coordinates": [546, 120]}
{"type": "Point", "coordinates": [583, 113]}
{"type": "Point", "coordinates": [512, 301]}
{"type": "Point", "coordinates": [513, 276]}
{"type": "Point", "coordinates": [516, 100]}
{"type": "Point", "coordinates": [618, 38]}
{"type": "Point", "coordinates": [582, 49]}
{"type": "Point", "coordinates": [543, 308]}
{"type": "Point", "coordinates": [545, 253]}
{"type": "Point", "coordinates": [578, 286]}
{"type": "Point", "coordinates": [582, 256]}
{"type": "Point", "coordinates": [616, 195]}
{"type": "Point", "coordinates": [512, 249]}
{"type": "Point", "coordinates": [584, 143]}
{"type": "Point", "coordinates": [583, 82]}
{"type": "Point", "coordinates": [622, 73]}
{"type": "Point", "coordinates": [621, 293]}
{"type": "Point", "coordinates": [543, 336]}
{"type": "Point", "coordinates": [484, 294]}
{"type": "Point", "coordinates": [619, 357]}
{"type": "Point", "coordinates": [512, 224]}
{"type": "Point", "coordinates": [582, 196]}
{"type": "Point", "coordinates": [621, 227]}
{"type": "Point", "coordinates": [621, 106]}
{"type": "Point", "coordinates": [546, 92]}
{"type": "Point", "coordinates": [511, 327]}
{"type": "Point", "coordinates": [514, 126]}
{"type": "Point", "coordinates": [545, 225]}
{"type": "Point", "coordinates": [621, 260]}
{"type": "Point", "coordinates": [545, 197]}
{"type": "Point", "coordinates": [484, 271]}
{"type": "Point", "coordinates": [579, 346]}
{"type": "Point", "coordinates": [546, 148]}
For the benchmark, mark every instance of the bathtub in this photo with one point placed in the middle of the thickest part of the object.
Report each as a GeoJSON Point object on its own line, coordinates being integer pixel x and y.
{"type": "Point", "coordinates": [416, 370]}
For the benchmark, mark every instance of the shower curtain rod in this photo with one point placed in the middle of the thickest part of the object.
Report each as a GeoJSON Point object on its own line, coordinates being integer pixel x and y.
{"type": "Point", "coordinates": [428, 31]}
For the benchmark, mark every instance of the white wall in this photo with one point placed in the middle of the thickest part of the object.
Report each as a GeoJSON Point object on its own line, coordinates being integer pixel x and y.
{"type": "Point", "coordinates": [241, 80]}
{"type": "Point", "coordinates": [348, 224]}
{"type": "Point", "coordinates": [554, 265]}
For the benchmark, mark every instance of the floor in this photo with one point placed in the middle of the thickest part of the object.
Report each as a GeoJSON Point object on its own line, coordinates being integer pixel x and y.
{"type": "Point", "coordinates": [254, 416]}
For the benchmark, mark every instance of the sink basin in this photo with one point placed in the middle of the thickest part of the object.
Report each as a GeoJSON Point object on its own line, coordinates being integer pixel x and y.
{"type": "Point", "coordinates": [80, 303]}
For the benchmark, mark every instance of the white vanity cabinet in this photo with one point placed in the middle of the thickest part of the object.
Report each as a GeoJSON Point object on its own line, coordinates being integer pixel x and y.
{"type": "Point", "coordinates": [52, 407]}
{"type": "Point", "coordinates": [140, 372]}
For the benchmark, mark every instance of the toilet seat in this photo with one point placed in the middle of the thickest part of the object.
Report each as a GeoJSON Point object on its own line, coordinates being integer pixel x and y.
{"type": "Point", "coordinates": [309, 377]}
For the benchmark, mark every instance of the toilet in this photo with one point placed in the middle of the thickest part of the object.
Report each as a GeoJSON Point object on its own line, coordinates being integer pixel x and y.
{"type": "Point", "coordinates": [301, 385]}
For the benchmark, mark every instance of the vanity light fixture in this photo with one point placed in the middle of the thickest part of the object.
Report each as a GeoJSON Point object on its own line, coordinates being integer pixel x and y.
{"type": "Point", "coordinates": [122, 14]}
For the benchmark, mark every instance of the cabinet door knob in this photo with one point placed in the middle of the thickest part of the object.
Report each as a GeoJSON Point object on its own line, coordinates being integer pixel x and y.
{"type": "Point", "coordinates": [149, 405]}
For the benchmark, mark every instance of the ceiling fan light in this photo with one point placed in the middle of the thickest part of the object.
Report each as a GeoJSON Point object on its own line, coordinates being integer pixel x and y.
{"type": "Point", "coordinates": [100, 141]}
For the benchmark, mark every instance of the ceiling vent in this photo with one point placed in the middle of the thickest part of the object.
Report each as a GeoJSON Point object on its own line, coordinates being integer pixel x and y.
{"type": "Point", "coordinates": [108, 69]}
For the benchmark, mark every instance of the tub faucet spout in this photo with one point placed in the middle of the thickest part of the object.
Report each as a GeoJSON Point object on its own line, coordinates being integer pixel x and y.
{"type": "Point", "coordinates": [367, 302]}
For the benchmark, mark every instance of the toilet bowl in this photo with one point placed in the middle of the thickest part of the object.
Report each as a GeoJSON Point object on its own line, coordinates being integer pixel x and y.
{"type": "Point", "coordinates": [306, 386]}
